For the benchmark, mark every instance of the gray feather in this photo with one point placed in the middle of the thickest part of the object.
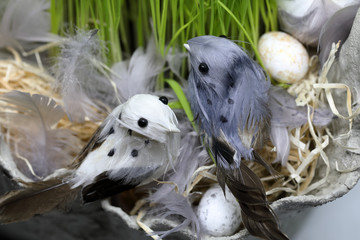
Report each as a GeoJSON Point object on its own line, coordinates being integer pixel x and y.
{"type": "Point", "coordinates": [306, 24]}
{"type": "Point", "coordinates": [175, 204]}
{"type": "Point", "coordinates": [138, 75]}
{"type": "Point", "coordinates": [286, 116]}
{"type": "Point", "coordinates": [84, 89]}
{"type": "Point", "coordinates": [32, 119]}
{"type": "Point", "coordinates": [337, 28]}
{"type": "Point", "coordinates": [170, 203]}
{"type": "Point", "coordinates": [25, 23]}
{"type": "Point", "coordinates": [174, 60]}
{"type": "Point", "coordinates": [306, 28]}
{"type": "Point", "coordinates": [285, 113]}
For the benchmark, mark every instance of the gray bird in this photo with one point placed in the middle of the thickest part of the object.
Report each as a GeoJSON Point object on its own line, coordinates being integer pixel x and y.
{"type": "Point", "coordinates": [228, 93]}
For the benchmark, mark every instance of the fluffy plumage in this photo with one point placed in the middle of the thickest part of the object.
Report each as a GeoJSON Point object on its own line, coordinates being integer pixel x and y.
{"type": "Point", "coordinates": [286, 116]}
{"type": "Point", "coordinates": [31, 118]}
{"type": "Point", "coordinates": [136, 143]}
{"type": "Point", "coordinates": [174, 60]}
{"type": "Point", "coordinates": [285, 112]}
{"type": "Point", "coordinates": [25, 23]}
{"type": "Point", "coordinates": [175, 204]}
{"type": "Point", "coordinates": [130, 148]}
{"type": "Point", "coordinates": [171, 202]}
{"type": "Point", "coordinates": [232, 95]}
{"type": "Point", "coordinates": [84, 89]}
{"type": "Point", "coordinates": [228, 93]}
{"type": "Point", "coordinates": [138, 74]}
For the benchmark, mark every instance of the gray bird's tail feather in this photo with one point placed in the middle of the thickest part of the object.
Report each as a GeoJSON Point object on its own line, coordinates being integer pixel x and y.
{"type": "Point", "coordinates": [245, 185]}
{"type": "Point", "coordinates": [37, 198]}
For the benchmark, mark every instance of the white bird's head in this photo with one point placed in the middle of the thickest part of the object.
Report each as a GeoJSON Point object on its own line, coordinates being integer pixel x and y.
{"type": "Point", "coordinates": [149, 116]}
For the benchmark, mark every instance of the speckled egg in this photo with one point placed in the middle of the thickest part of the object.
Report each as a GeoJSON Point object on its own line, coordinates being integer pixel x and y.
{"type": "Point", "coordinates": [284, 57]}
{"type": "Point", "coordinates": [219, 216]}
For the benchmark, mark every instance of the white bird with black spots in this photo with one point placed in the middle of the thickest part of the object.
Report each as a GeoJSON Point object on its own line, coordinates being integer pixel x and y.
{"type": "Point", "coordinates": [139, 141]}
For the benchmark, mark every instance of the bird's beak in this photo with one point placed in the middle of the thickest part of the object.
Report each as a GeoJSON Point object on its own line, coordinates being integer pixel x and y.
{"type": "Point", "coordinates": [187, 47]}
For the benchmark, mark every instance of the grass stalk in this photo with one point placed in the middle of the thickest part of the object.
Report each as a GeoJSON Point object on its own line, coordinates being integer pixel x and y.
{"type": "Point", "coordinates": [254, 47]}
{"type": "Point", "coordinates": [173, 22]}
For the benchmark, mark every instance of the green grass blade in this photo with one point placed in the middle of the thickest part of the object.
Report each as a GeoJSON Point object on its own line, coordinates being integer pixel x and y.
{"type": "Point", "coordinates": [175, 105]}
{"type": "Point", "coordinates": [245, 32]}
{"type": "Point", "coordinates": [173, 39]}
{"type": "Point", "coordinates": [183, 100]}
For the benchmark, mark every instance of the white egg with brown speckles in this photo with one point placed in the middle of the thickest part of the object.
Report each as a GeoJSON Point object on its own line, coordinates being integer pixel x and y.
{"type": "Point", "coordinates": [284, 57]}
{"type": "Point", "coordinates": [219, 216]}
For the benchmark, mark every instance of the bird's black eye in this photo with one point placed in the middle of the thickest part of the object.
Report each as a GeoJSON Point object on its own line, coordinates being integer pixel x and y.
{"type": "Point", "coordinates": [203, 67]}
{"type": "Point", "coordinates": [134, 153]}
{"type": "Point", "coordinates": [111, 152]}
{"type": "Point", "coordinates": [142, 122]}
{"type": "Point", "coordinates": [164, 100]}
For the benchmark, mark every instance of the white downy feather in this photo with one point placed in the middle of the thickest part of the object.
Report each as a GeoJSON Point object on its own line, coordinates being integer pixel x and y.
{"type": "Point", "coordinates": [175, 204]}
{"type": "Point", "coordinates": [280, 138]}
{"type": "Point", "coordinates": [138, 75]}
{"type": "Point", "coordinates": [26, 23]}
{"type": "Point", "coordinates": [84, 90]}
{"type": "Point", "coordinates": [174, 60]}
{"type": "Point", "coordinates": [31, 118]}
{"type": "Point", "coordinates": [168, 201]}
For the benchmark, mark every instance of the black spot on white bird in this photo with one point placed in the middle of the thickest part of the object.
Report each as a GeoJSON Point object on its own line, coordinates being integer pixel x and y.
{"type": "Point", "coordinates": [230, 101]}
{"type": "Point", "coordinates": [223, 119]}
{"type": "Point", "coordinates": [111, 152]}
{"type": "Point", "coordinates": [134, 153]}
{"type": "Point", "coordinates": [130, 132]}
{"type": "Point", "coordinates": [209, 101]}
{"type": "Point", "coordinates": [147, 141]}
{"type": "Point", "coordinates": [203, 68]}
{"type": "Point", "coordinates": [142, 122]}
{"type": "Point", "coordinates": [120, 116]}
{"type": "Point", "coordinates": [198, 85]}
{"type": "Point", "coordinates": [164, 100]}
{"type": "Point", "coordinates": [111, 131]}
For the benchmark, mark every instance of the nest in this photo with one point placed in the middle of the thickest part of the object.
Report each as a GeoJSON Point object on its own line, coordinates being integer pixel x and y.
{"type": "Point", "coordinates": [294, 179]}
